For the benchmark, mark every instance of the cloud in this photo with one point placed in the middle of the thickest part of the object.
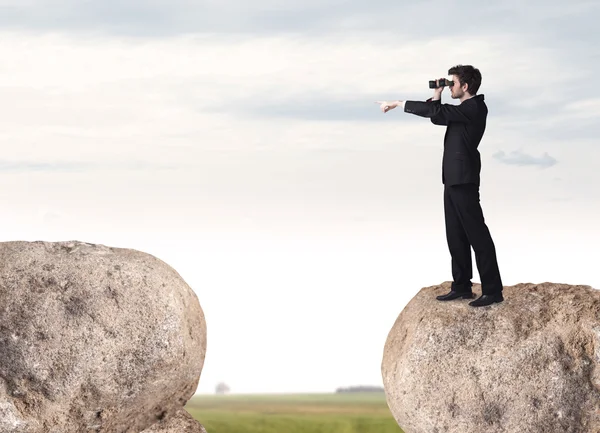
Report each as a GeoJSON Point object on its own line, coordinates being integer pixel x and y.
{"type": "Point", "coordinates": [183, 101]}
{"type": "Point", "coordinates": [267, 119]}
{"type": "Point", "coordinates": [519, 158]}
{"type": "Point", "coordinates": [352, 109]}
{"type": "Point", "coordinates": [159, 18]}
{"type": "Point", "coordinates": [98, 96]}
{"type": "Point", "coordinates": [80, 166]}
{"type": "Point", "coordinates": [588, 108]}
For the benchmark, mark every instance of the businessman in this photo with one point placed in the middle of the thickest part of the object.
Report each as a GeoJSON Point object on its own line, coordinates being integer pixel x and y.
{"type": "Point", "coordinates": [461, 166]}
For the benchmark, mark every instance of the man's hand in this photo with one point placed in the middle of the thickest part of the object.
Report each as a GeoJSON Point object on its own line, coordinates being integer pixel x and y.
{"type": "Point", "coordinates": [387, 106]}
{"type": "Point", "coordinates": [437, 93]}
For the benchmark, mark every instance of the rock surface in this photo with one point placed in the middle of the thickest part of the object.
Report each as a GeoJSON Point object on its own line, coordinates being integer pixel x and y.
{"type": "Point", "coordinates": [527, 365]}
{"type": "Point", "coordinates": [94, 339]}
{"type": "Point", "coordinates": [181, 422]}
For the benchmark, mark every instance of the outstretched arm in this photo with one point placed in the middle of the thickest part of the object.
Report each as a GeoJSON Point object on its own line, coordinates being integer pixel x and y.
{"type": "Point", "coordinates": [436, 119]}
{"type": "Point", "coordinates": [442, 112]}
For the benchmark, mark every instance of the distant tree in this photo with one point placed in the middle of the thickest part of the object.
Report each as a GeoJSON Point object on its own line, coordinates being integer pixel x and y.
{"type": "Point", "coordinates": [360, 389]}
{"type": "Point", "coordinates": [222, 388]}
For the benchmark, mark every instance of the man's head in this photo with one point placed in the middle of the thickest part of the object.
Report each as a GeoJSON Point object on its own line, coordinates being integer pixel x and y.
{"type": "Point", "coordinates": [467, 80]}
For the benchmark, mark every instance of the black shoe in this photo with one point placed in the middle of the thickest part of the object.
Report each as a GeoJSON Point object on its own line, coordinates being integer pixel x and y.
{"type": "Point", "coordinates": [487, 300]}
{"type": "Point", "coordinates": [455, 295]}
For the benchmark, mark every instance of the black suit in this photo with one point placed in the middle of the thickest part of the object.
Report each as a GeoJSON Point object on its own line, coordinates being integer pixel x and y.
{"type": "Point", "coordinates": [461, 166]}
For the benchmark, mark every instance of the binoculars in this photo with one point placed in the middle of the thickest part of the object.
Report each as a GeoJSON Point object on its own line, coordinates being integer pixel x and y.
{"type": "Point", "coordinates": [442, 82]}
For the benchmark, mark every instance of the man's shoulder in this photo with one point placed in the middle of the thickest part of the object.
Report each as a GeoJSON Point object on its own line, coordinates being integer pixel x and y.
{"type": "Point", "coordinates": [477, 102]}
{"type": "Point", "coordinates": [476, 98]}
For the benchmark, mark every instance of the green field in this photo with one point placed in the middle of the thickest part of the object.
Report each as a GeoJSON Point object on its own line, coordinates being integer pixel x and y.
{"type": "Point", "coordinates": [294, 413]}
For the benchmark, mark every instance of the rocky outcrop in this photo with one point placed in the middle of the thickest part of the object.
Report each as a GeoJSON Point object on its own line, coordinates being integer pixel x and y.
{"type": "Point", "coordinates": [530, 364]}
{"type": "Point", "coordinates": [94, 339]}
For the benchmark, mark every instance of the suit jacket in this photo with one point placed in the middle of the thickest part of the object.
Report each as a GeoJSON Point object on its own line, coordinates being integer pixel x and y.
{"type": "Point", "coordinates": [465, 125]}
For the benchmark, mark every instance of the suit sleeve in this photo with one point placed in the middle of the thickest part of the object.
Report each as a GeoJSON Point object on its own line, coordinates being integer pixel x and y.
{"type": "Point", "coordinates": [441, 114]}
{"type": "Point", "coordinates": [436, 120]}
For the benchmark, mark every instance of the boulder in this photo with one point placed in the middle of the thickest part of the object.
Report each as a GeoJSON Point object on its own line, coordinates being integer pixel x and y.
{"type": "Point", "coordinates": [180, 422]}
{"type": "Point", "coordinates": [529, 364]}
{"type": "Point", "coordinates": [94, 339]}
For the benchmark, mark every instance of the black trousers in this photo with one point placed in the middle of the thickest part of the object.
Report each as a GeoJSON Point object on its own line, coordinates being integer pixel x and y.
{"type": "Point", "coordinates": [465, 227]}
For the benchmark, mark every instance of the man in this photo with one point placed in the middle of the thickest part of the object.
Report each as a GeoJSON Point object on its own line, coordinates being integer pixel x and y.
{"type": "Point", "coordinates": [461, 165]}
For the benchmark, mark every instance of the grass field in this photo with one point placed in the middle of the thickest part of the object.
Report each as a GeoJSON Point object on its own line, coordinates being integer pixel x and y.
{"type": "Point", "coordinates": [294, 413]}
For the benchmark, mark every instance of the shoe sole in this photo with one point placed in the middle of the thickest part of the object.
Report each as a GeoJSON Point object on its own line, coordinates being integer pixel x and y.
{"type": "Point", "coordinates": [487, 305]}
{"type": "Point", "coordinates": [459, 297]}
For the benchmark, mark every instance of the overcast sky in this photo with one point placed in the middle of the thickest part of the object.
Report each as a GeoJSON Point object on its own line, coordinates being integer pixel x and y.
{"type": "Point", "coordinates": [240, 143]}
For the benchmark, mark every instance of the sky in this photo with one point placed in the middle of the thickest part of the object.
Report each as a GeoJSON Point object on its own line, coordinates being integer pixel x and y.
{"type": "Point", "coordinates": [240, 143]}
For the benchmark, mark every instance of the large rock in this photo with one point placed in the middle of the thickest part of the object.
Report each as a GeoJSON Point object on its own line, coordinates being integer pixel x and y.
{"type": "Point", "coordinates": [527, 365]}
{"type": "Point", "coordinates": [94, 339]}
{"type": "Point", "coordinates": [180, 422]}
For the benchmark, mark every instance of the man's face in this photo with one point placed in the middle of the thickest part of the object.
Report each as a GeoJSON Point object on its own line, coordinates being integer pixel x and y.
{"type": "Point", "coordinates": [455, 90]}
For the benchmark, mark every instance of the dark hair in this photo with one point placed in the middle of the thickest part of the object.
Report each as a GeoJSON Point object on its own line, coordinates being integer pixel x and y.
{"type": "Point", "coordinates": [467, 74]}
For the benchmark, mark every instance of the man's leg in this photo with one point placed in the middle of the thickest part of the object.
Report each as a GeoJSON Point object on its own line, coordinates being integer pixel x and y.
{"type": "Point", "coordinates": [468, 209]}
{"type": "Point", "coordinates": [458, 244]}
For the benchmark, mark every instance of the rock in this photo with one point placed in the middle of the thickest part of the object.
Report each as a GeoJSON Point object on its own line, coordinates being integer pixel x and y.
{"type": "Point", "coordinates": [527, 365]}
{"type": "Point", "coordinates": [180, 422]}
{"type": "Point", "coordinates": [94, 339]}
